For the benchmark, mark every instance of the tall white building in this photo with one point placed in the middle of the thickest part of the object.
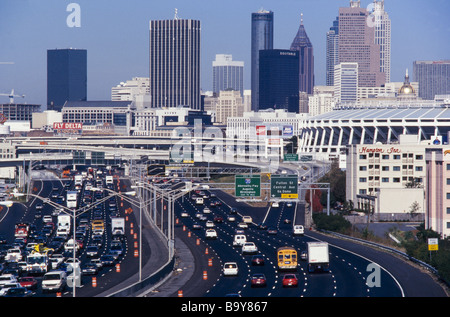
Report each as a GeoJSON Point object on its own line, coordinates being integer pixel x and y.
{"type": "Point", "coordinates": [227, 74]}
{"type": "Point", "coordinates": [382, 29]}
{"type": "Point", "coordinates": [322, 101]}
{"type": "Point", "coordinates": [346, 83]}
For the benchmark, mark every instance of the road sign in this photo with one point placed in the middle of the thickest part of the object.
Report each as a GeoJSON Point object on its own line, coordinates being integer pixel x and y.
{"type": "Point", "coordinates": [247, 185]}
{"type": "Point", "coordinates": [284, 186]}
{"type": "Point", "coordinates": [306, 158]}
{"type": "Point", "coordinates": [291, 157]}
{"type": "Point", "coordinates": [433, 244]}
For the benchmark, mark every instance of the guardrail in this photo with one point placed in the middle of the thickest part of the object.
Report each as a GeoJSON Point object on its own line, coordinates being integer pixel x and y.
{"type": "Point", "coordinates": [410, 258]}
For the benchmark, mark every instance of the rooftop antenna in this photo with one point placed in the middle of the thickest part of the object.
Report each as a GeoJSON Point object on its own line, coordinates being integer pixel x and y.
{"type": "Point", "coordinates": [176, 14]}
{"type": "Point", "coordinates": [301, 18]}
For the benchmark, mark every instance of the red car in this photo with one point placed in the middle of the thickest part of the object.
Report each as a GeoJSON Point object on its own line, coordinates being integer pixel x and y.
{"type": "Point", "coordinates": [28, 282]}
{"type": "Point", "coordinates": [290, 280]}
{"type": "Point", "coordinates": [258, 279]}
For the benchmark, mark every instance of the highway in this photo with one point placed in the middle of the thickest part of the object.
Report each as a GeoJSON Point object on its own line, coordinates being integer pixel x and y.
{"type": "Point", "coordinates": [356, 270]}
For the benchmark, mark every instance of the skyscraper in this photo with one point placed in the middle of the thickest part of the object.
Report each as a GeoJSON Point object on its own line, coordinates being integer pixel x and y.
{"type": "Point", "coordinates": [433, 78]}
{"type": "Point", "coordinates": [382, 29]}
{"type": "Point", "coordinates": [302, 44]}
{"type": "Point", "coordinates": [262, 39]}
{"type": "Point", "coordinates": [357, 44]}
{"type": "Point", "coordinates": [279, 80]}
{"type": "Point", "coordinates": [346, 83]}
{"type": "Point", "coordinates": [175, 63]}
{"type": "Point", "coordinates": [227, 74]}
{"type": "Point", "coordinates": [332, 53]}
{"type": "Point", "coordinates": [66, 77]}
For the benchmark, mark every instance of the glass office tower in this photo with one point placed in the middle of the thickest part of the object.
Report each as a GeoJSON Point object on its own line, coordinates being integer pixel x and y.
{"type": "Point", "coordinates": [279, 80]}
{"type": "Point", "coordinates": [66, 77]}
{"type": "Point", "coordinates": [262, 39]}
{"type": "Point", "coordinates": [175, 63]}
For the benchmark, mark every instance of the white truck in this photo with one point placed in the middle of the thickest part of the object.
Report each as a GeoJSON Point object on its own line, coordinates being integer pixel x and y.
{"type": "Point", "coordinates": [78, 180]}
{"type": "Point", "coordinates": [37, 263]}
{"type": "Point", "coordinates": [72, 197]}
{"type": "Point", "coordinates": [109, 180]}
{"type": "Point", "coordinates": [63, 228]}
{"type": "Point", "coordinates": [318, 257]}
{"type": "Point", "coordinates": [118, 226]}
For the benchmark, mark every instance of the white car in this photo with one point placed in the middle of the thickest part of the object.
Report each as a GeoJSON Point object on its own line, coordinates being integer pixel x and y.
{"type": "Point", "coordinates": [13, 255]}
{"type": "Point", "coordinates": [206, 210]}
{"type": "Point", "coordinates": [249, 247]}
{"type": "Point", "coordinates": [7, 279]}
{"type": "Point", "coordinates": [239, 240]}
{"type": "Point", "coordinates": [247, 219]}
{"type": "Point", "coordinates": [211, 234]}
{"type": "Point", "coordinates": [299, 230]}
{"type": "Point", "coordinates": [231, 218]}
{"type": "Point", "coordinates": [242, 225]}
{"type": "Point", "coordinates": [184, 214]}
{"type": "Point", "coordinates": [47, 219]}
{"type": "Point", "coordinates": [230, 268]}
{"type": "Point", "coordinates": [209, 224]}
{"type": "Point", "coordinates": [275, 204]}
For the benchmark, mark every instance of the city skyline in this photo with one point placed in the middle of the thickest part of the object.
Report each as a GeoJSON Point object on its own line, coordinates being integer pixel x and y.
{"type": "Point", "coordinates": [31, 28]}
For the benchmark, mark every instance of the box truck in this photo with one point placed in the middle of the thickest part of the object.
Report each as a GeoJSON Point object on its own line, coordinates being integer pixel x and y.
{"type": "Point", "coordinates": [318, 257]}
{"type": "Point", "coordinates": [118, 226]}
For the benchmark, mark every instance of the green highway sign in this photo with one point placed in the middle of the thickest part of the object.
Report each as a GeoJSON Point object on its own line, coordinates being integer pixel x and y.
{"type": "Point", "coordinates": [284, 186]}
{"type": "Point", "coordinates": [247, 185]}
{"type": "Point", "coordinates": [291, 157]}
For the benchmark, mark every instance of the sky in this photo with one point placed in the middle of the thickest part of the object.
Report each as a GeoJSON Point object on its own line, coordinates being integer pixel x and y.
{"type": "Point", "coordinates": [115, 35]}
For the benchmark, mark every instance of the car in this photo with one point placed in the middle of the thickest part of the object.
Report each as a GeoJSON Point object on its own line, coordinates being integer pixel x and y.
{"type": "Point", "coordinates": [92, 250]}
{"type": "Point", "coordinates": [54, 281]}
{"type": "Point", "coordinates": [272, 231]}
{"type": "Point", "coordinates": [288, 204]}
{"type": "Point", "coordinates": [247, 219]}
{"type": "Point", "coordinates": [107, 260]}
{"type": "Point", "coordinates": [304, 255]}
{"type": "Point", "coordinates": [275, 204]}
{"type": "Point", "coordinates": [249, 247]}
{"type": "Point", "coordinates": [242, 225]}
{"type": "Point", "coordinates": [257, 259]}
{"type": "Point", "coordinates": [197, 226]}
{"type": "Point", "coordinates": [211, 234]}
{"type": "Point", "coordinates": [231, 218]}
{"type": "Point", "coordinates": [230, 269]}
{"type": "Point", "coordinates": [262, 226]}
{"type": "Point", "coordinates": [206, 210]}
{"type": "Point", "coordinates": [184, 214]}
{"type": "Point", "coordinates": [47, 218]}
{"type": "Point", "coordinates": [90, 269]}
{"type": "Point", "coordinates": [7, 278]}
{"type": "Point", "coordinates": [298, 230]}
{"type": "Point", "coordinates": [258, 279]}
{"type": "Point", "coordinates": [116, 248]}
{"type": "Point", "coordinates": [218, 219]}
{"type": "Point", "coordinates": [209, 224]}
{"type": "Point", "coordinates": [233, 211]}
{"type": "Point", "coordinates": [28, 282]}
{"type": "Point", "coordinates": [290, 280]}
{"type": "Point", "coordinates": [19, 292]}
{"type": "Point", "coordinates": [239, 239]}
{"type": "Point", "coordinates": [7, 286]}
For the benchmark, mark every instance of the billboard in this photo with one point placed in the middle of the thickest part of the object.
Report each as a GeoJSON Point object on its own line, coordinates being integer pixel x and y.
{"type": "Point", "coordinates": [288, 130]}
{"type": "Point", "coordinates": [68, 127]}
{"type": "Point", "coordinates": [260, 130]}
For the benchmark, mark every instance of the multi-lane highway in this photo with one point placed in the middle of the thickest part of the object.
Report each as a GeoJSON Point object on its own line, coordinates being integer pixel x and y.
{"type": "Point", "coordinates": [355, 270]}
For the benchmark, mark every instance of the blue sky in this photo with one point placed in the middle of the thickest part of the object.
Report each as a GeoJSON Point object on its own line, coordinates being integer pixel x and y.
{"type": "Point", "coordinates": [115, 34]}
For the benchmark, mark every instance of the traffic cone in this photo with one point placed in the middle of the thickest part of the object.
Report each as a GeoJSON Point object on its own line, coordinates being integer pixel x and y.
{"type": "Point", "coordinates": [180, 293]}
{"type": "Point", "coordinates": [94, 281]}
{"type": "Point", "coordinates": [205, 275]}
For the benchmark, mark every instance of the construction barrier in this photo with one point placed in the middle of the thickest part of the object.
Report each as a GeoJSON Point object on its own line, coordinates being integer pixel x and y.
{"type": "Point", "coordinates": [118, 268]}
{"type": "Point", "coordinates": [58, 294]}
{"type": "Point", "coordinates": [198, 241]}
{"type": "Point", "coordinates": [210, 262]}
{"type": "Point", "coordinates": [189, 234]}
{"type": "Point", "coordinates": [136, 253]}
{"type": "Point", "coordinates": [94, 281]}
{"type": "Point", "coordinates": [206, 251]}
{"type": "Point", "coordinates": [180, 293]}
{"type": "Point", "coordinates": [205, 275]}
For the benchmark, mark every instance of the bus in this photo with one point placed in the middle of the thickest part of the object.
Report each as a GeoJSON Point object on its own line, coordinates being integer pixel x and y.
{"type": "Point", "coordinates": [287, 258]}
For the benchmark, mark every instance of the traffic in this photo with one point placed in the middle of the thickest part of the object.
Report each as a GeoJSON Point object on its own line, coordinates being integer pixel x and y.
{"type": "Point", "coordinates": [71, 231]}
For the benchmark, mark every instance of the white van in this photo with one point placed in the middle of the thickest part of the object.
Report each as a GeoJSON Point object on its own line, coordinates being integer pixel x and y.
{"type": "Point", "coordinates": [239, 239]}
{"type": "Point", "coordinates": [299, 230]}
{"type": "Point", "coordinates": [54, 281]}
{"type": "Point", "coordinates": [199, 201]}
